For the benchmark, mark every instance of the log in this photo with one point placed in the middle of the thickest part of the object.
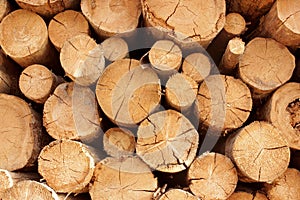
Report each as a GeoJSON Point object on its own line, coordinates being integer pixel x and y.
{"type": "Point", "coordinates": [9, 179]}
{"type": "Point", "coordinates": [175, 194]}
{"type": "Point", "coordinates": [167, 141]}
{"type": "Point", "coordinates": [24, 37]}
{"type": "Point", "coordinates": [212, 176]}
{"type": "Point", "coordinates": [235, 25]}
{"type": "Point", "coordinates": [37, 82]}
{"type": "Point", "coordinates": [281, 23]}
{"type": "Point", "coordinates": [183, 21]}
{"type": "Point", "coordinates": [118, 142]}
{"type": "Point", "coordinates": [21, 133]}
{"type": "Point", "coordinates": [9, 76]}
{"type": "Point", "coordinates": [123, 16]}
{"type": "Point", "coordinates": [5, 8]}
{"type": "Point", "coordinates": [223, 104]}
{"type": "Point", "coordinates": [127, 92]}
{"type": "Point", "coordinates": [165, 57]}
{"type": "Point", "coordinates": [262, 70]}
{"type": "Point", "coordinates": [285, 187]}
{"type": "Point", "coordinates": [259, 151]}
{"type": "Point", "coordinates": [247, 196]}
{"type": "Point", "coordinates": [181, 92]}
{"type": "Point", "coordinates": [72, 113]}
{"type": "Point", "coordinates": [67, 166]}
{"type": "Point", "coordinates": [83, 196]}
{"type": "Point", "coordinates": [115, 48]}
{"type": "Point", "coordinates": [197, 66]}
{"type": "Point", "coordinates": [283, 111]}
{"type": "Point", "coordinates": [82, 59]}
{"type": "Point", "coordinates": [252, 10]}
{"type": "Point", "coordinates": [123, 178]}
{"type": "Point", "coordinates": [48, 8]}
{"type": "Point", "coordinates": [27, 190]}
{"type": "Point", "coordinates": [66, 25]}
{"type": "Point", "coordinates": [231, 57]}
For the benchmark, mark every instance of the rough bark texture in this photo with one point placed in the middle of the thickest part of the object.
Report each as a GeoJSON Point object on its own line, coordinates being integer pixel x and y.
{"type": "Point", "coordinates": [127, 92]}
{"type": "Point", "coordinates": [259, 151]}
{"type": "Point", "coordinates": [5, 8]}
{"type": "Point", "coordinates": [283, 111]}
{"type": "Point", "coordinates": [281, 23]}
{"type": "Point", "coordinates": [197, 66]}
{"type": "Point", "coordinates": [21, 130]}
{"type": "Point", "coordinates": [115, 48]}
{"type": "Point", "coordinates": [37, 82]}
{"type": "Point", "coordinates": [9, 76]}
{"type": "Point", "coordinates": [118, 142]}
{"type": "Point", "coordinates": [231, 57]}
{"type": "Point", "coordinates": [126, 178]}
{"type": "Point", "coordinates": [28, 190]}
{"type": "Point", "coordinates": [223, 103]}
{"type": "Point", "coordinates": [67, 166]}
{"type": "Point", "coordinates": [240, 195]}
{"type": "Point", "coordinates": [212, 176]}
{"type": "Point", "coordinates": [24, 37]}
{"type": "Point", "coordinates": [123, 15]}
{"type": "Point", "coordinates": [165, 57]}
{"type": "Point", "coordinates": [48, 8]}
{"type": "Point", "coordinates": [82, 59]}
{"type": "Point", "coordinates": [252, 10]}
{"type": "Point", "coordinates": [181, 92]}
{"type": "Point", "coordinates": [285, 187]}
{"type": "Point", "coordinates": [167, 141]}
{"type": "Point", "coordinates": [66, 25]}
{"type": "Point", "coordinates": [175, 194]}
{"type": "Point", "coordinates": [208, 18]}
{"type": "Point", "coordinates": [262, 70]}
{"type": "Point", "coordinates": [72, 113]}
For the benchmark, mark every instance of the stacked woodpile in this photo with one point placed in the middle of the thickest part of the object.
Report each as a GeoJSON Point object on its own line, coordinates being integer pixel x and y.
{"type": "Point", "coordinates": [149, 99]}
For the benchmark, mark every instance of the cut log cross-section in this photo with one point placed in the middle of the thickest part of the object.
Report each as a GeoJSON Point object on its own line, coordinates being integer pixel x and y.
{"type": "Point", "coordinates": [187, 21]}
{"type": "Point", "coordinates": [82, 59]}
{"type": "Point", "coordinates": [175, 194]}
{"type": "Point", "coordinates": [212, 176]}
{"type": "Point", "coordinates": [181, 92]}
{"type": "Point", "coordinates": [118, 142]}
{"type": "Point", "coordinates": [259, 151]}
{"type": "Point", "coordinates": [123, 16]}
{"type": "Point", "coordinates": [167, 141]}
{"type": "Point", "coordinates": [20, 137]}
{"type": "Point", "coordinates": [262, 70]}
{"type": "Point", "coordinates": [127, 92]}
{"type": "Point", "coordinates": [115, 48]}
{"type": "Point", "coordinates": [24, 37]}
{"type": "Point", "coordinates": [165, 57]}
{"type": "Point", "coordinates": [223, 103]}
{"type": "Point", "coordinates": [66, 165]}
{"type": "Point", "coordinates": [231, 57]}
{"type": "Point", "coordinates": [283, 111]}
{"type": "Point", "coordinates": [123, 178]}
{"type": "Point", "coordinates": [66, 25]}
{"type": "Point", "coordinates": [37, 82]}
{"type": "Point", "coordinates": [28, 189]}
{"type": "Point", "coordinates": [281, 23]}
{"type": "Point", "coordinates": [197, 66]}
{"type": "Point", "coordinates": [48, 8]}
{"type": "Point", "coordinates": [72, 113]}
{"type": "Point", "coordinates": [5, 8]}
{"type": "Point", "coordinates": [285, 187]}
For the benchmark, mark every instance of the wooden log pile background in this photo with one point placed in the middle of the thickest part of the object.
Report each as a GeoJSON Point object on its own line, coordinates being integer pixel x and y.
{"type": "Point", "coordinates": [150, 100]}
